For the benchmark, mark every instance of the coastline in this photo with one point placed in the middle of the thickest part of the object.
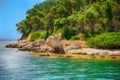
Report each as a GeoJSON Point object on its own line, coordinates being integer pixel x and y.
{"type": "Point", "coordinates": [75, 56]}
{"type": "Point", "coordinates": [54, 47]}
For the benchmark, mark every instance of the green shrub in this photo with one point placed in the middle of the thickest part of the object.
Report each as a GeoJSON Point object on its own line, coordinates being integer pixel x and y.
{"type": "Point", "coordinates": [87, 34]}
{"type": "Point", "coordinates": [68, 32]}
{"type": "Point", "coordinates": [106, 40]}
{"type": "Point", "coordinates": [78, 37]}
{"type": "Point", "coordinates": [38, 35]}
{"type": "Point", "coordinates": [56, 32]}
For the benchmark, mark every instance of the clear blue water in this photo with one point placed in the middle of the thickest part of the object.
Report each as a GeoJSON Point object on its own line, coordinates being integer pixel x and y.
{"type": "Point", "coordinates": [17, 65]}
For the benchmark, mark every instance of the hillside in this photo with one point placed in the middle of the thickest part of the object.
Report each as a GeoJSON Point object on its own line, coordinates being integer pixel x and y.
{"type": "Point", "coordinates": [71, 17]}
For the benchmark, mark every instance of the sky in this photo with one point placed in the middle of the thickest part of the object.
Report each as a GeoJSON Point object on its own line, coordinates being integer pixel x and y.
{"type": "Point", "coordinates": [12, 12]}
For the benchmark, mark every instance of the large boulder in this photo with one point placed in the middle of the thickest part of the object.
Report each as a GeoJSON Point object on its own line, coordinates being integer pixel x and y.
{"type": "Point", "coordinates": [55, 43]}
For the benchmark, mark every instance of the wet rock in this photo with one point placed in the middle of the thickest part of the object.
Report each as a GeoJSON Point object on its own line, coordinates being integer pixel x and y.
{"type": "Point", "coordinates": [68, 56]}
{"type": "Point", "coordinates": [13, 45]}
{"type": "Point", "coordinates": [43, 55]}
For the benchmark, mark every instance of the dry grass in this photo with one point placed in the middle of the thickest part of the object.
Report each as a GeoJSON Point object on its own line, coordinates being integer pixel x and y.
{"type": "Point", "coordinates": [28, 38]}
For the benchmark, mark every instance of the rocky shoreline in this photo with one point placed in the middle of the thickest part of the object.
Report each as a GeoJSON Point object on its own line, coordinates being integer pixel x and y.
{"type": "Point", "coordinates": [52, 44]}
{"type": "Point", "coordinates": [69, 49]}
{"type": "Point", "coordinates": [92, 51]}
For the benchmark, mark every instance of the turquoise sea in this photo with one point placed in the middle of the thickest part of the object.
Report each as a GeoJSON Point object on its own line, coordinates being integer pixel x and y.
{"type": "Point", "coordinates": [18, 65]}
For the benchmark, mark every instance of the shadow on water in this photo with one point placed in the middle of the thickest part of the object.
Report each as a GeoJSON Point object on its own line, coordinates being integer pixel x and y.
{"type": "Point", "coordinates": [17, 65]}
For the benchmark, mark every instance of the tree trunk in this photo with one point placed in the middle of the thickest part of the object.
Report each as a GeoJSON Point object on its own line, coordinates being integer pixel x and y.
{"type": "Point", "coordinates": [91, 24]}
{"type": "Point", "coordinates": [81, 28]}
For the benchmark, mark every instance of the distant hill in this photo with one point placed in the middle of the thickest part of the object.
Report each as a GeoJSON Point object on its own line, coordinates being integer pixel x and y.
{"type": "Point", "coordinates": [8, 39]}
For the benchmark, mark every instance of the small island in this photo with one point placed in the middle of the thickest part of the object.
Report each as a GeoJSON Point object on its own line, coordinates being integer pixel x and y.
{"type": "Point", "coordinates": [72, 29]}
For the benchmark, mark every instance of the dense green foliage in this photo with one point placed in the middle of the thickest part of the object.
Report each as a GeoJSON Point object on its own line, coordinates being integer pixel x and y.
{"type": "Point", "coordinates": [37, 35]}
{"type": "Point", "coordinates": [78, 37]}
{"type": "Point", "coordinates": [72, 17]}
{"type": "Point", "coordinates": [68, 32]}
{"type": "Point", "coordinates": [106, 40]}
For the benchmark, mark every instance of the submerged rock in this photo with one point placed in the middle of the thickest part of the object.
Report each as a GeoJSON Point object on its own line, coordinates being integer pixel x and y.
{"type": "Point", "coordinates": [43, 55]}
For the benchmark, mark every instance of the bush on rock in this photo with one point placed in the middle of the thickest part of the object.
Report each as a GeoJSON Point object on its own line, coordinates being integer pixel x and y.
{"type": "Point", "coordinates": [37, 35]}
{"type": "Point", "coordinates": [107, 41]}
